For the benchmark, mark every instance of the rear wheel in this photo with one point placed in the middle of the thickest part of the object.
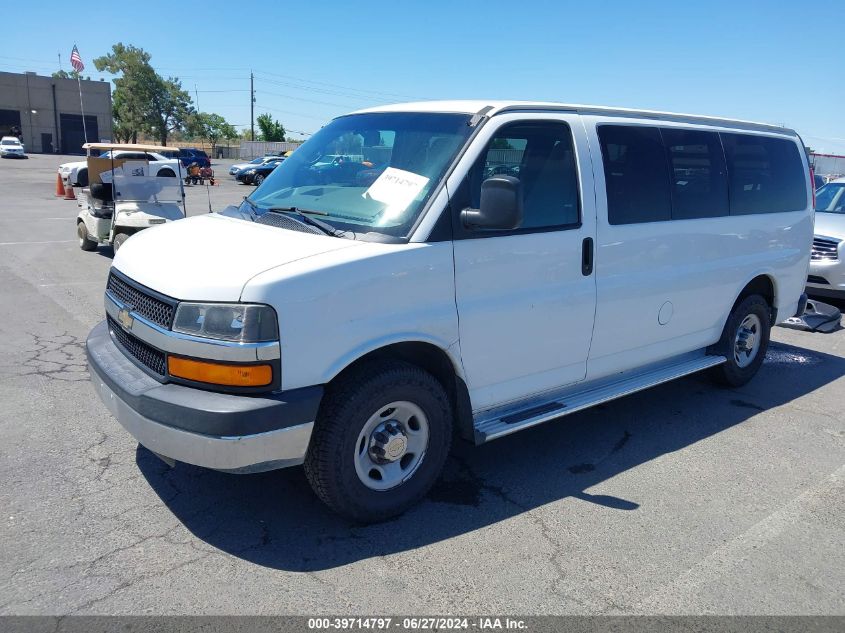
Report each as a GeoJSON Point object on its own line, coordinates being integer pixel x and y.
{"type": "Point", "coordinates": [744, 341]}
{"type": "Point", "coordinates": [85, 242]}
{"type": "Point", "coordinates": [380, 441]}
{"type": "Point", "coordinates": [166, 173]}
{"type": "Point", "coordinates": [118, 241]}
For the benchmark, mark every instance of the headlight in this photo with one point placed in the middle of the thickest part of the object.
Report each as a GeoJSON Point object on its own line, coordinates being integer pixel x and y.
{"type": "Point", "coordinates": [244, 323]}
{"type": "Point", "coordinates": [250, 171]}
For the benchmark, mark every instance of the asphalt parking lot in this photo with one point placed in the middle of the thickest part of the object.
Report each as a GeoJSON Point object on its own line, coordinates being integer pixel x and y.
{"type": "Point", "coordinates": [684, 499]}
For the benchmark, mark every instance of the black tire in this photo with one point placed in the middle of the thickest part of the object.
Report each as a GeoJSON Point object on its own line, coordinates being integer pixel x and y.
{"type": "Point", "coordinates": [118, 241]}
{"type": "Point", "coordinates": [346, 408]}
{"type": "Point", "coordinates": [82, 178]}
{"type": "Point", "coordinates": [258, 179]}
{"type": "Point", "coordinates": [731, 373]}
{"type": "Point", "coordinates": [85, 242]}
{"type": "Point", "coordinates": [166, 173]}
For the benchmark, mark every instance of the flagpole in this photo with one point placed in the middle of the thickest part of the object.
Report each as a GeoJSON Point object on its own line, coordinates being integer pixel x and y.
{"type": "Point", "coordinates": [82, 108]}
{"type": "Point", "coordinates": [79, 83]}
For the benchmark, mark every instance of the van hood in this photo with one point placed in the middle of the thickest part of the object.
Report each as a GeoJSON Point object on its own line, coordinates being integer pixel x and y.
{"type": "Point", "coordinates": [212, 257]}
{"type": "Point", "coordinates": [830, 224]}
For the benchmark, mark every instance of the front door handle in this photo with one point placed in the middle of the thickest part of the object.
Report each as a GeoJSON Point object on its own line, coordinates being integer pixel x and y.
{"type": "Point", "coordinates": [587, 256]}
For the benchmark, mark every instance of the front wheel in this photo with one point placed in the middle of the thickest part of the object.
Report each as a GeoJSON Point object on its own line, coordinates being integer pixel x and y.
{"type": "Point", "coordinates": [85, 242]}
{"type": "Point", "coordinates": [118, 241]}
{"type": "Point", "coordinates": [380, 441]}
{"type": "Point", "coordinates": [259, 178]}
{"type": "Point", "coordinates": [744, 341]}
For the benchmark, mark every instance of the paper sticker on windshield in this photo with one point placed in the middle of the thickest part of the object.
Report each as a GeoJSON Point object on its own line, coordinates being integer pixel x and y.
{"type": "Point", "coordinates": [134, 168]}
{"type": "Point", "coordinates": [396, 188]}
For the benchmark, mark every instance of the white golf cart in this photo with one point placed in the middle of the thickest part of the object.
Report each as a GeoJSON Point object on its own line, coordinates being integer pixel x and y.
{"type": "Point", "coordinates": [125, 196]}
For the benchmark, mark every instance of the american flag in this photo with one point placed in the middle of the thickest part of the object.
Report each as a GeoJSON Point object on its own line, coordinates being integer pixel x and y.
{"type": "Point", "coordinates": [76, 60]}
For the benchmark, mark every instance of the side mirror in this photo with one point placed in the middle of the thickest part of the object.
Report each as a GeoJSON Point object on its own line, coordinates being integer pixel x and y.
{"type": "Point", "coordinates": [500, 208]}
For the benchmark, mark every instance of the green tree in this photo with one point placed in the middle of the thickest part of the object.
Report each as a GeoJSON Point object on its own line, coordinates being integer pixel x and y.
{"type": "Point", "coordinates": [211, 127]}
{"type": "Point", "coordinates": [73, 74]}
{"type": "Point", "coordinates": [143, 100]}
{"type": "Point", "coordinates": [132, 89]}
{"type": "Point", "coordinates": [500, 143]}
{"type": "Point", "coordinates": [171, 109]}
{"type": "Point", "coordinates": [271, 130]}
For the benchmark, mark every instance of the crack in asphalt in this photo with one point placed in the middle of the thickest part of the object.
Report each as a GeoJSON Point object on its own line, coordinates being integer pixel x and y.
{"type": "Point", "coordinates": [55, 357]}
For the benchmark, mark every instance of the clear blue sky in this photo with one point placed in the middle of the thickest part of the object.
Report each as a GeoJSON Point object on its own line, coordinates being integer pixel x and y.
{"type": "Point", "coordinates": [766, 61]}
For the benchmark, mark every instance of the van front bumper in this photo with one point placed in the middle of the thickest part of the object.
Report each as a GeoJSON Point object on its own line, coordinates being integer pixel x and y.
{"type": "Point", "coordinates": [216, 430]}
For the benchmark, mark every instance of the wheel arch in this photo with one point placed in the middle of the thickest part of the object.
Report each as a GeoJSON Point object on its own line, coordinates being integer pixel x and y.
{"type": "Point", "coordinates": [435, 360]}
{"type": "Point", "coordinates": [763, 284]}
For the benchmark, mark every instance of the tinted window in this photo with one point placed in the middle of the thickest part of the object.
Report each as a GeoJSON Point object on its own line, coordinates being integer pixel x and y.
{"type": "Point", "coordinates": [766, 174]}
{"type": "Point", "coordinates": [542, 156]}
{"type": "Point", "coordinates": [698, 173]}
{"type": "Point", "coordinates": [636, 175]}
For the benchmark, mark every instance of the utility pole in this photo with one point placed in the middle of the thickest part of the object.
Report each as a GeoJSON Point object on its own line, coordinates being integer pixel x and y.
{"type": "Point", "coordinates": [251, 107]}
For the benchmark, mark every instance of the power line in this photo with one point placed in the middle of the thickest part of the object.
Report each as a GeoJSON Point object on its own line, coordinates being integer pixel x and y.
{"type": "Point", "coordinates": [298, 114]}
{"type": "Point", "coordinates": [348, 88]}
{"type": "Point", "coordinates": [324, 91]}
{"type": "Point", "coordinates": [327, 103]}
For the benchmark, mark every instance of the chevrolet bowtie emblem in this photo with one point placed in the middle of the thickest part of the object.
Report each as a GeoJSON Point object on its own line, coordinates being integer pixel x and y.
{"type": "Point", "coordinates": [125, 319]}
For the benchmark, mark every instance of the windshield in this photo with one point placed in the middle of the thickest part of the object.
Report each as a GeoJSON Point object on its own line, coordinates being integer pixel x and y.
{"type": "Point", "coordinates": [10, 142]}
{"type": "Point", "coordinates": [831, 198]}
{"type": "Point", "coordinates": [367, 172]}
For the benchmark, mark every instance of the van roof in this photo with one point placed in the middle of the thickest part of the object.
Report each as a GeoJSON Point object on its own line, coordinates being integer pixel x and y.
{"type": "Point", "coordinates": [490, 108]}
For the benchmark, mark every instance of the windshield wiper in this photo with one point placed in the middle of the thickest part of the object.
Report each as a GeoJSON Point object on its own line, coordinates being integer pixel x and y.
{"type": "Point", "coordinates": [298, 210]}
{"type": "Point", "coordinates": [300, 214]}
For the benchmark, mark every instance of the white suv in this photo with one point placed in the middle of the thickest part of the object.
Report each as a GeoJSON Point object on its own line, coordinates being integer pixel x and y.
{"type": "Point", "coordinates": [467, 268]}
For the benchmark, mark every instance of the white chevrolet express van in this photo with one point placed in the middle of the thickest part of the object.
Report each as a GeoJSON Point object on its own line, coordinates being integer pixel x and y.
{"type": "Point", "coordinates": [471, 268]}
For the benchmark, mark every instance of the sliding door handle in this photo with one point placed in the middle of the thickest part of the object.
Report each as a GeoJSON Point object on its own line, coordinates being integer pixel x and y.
{"type": "Point", "coordinates": [587, 256]}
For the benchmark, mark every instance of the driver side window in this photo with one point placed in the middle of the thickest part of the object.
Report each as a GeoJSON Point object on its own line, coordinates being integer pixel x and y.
{"type": "Point", "coordinates": [542, 156]}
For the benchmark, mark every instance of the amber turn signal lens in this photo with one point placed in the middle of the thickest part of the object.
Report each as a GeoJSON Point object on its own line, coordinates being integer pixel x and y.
{"type": "Point", "coordinates": [217, 374]}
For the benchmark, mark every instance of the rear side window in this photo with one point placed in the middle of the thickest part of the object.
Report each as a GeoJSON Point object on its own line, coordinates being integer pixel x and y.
{"type": "Point", "coordinates": [766, 174]}
{"type": "Point", "coordinates": [698, 173]}
{"type": "Point", "coordinates": [636, 174]}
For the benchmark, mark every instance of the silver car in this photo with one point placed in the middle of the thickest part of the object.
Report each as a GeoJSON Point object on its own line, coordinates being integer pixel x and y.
{"type": "Point", "coordinates": [827, 262]}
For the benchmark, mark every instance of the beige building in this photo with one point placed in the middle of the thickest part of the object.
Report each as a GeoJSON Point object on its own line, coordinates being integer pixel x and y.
{"type": "Point", "coordinates": [47, 111]}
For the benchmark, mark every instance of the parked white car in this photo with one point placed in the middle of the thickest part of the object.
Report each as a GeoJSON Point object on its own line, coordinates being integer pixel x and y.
{"type": "Point", "coordinates": [827, 262]}
{"type": "Point", "coordinates": [11, 147]}
{"type": "Point", "coordinates": [350, 316]}
{"type": "Point", "coordinates": [75, 174]}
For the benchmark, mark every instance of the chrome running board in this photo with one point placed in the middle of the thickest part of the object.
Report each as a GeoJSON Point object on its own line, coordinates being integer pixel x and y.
{"type": "Point", "coordinates": [502, 421]}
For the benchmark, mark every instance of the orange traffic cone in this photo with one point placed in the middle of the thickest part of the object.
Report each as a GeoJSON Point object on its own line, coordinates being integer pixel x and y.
{"type": "Point", "coordinates": [60, 187]}
{"type": "Point", "coordinates": [69, 195]}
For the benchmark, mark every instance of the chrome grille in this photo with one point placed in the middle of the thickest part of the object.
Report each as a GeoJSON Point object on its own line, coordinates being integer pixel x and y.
{"type": "Point", "coordinates": [824, 248]}
{"type": "Point", "coordinates": [148, 356]}
{"type": "Point", "coordinates": [144, 304]}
